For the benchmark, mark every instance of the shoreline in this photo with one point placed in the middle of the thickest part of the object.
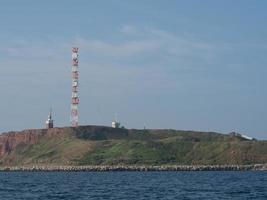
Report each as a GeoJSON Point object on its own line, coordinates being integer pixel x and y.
{"type": "Point", "coordinates": [105, 168]}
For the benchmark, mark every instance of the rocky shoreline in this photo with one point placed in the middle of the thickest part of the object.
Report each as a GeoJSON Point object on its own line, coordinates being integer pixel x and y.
{"type": "Point", "coordinates": [98, 168]}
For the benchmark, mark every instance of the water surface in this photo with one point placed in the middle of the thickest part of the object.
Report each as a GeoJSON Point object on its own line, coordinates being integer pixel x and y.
{"type": "Point", "coordinates": [133, 185]}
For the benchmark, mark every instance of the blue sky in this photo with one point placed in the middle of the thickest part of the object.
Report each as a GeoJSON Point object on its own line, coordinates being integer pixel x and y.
{"type": "Point", "coordinates": [194, 65]}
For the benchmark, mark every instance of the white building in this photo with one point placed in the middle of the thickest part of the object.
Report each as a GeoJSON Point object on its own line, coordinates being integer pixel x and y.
{"type": "Point", "coordinates": [115, 124]}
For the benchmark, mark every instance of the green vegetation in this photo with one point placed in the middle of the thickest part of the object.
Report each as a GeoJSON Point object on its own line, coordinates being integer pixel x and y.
{"type": "Point", "coordinates": [52, 150]}
{"type": "Point", "coordinates": [92, 145]}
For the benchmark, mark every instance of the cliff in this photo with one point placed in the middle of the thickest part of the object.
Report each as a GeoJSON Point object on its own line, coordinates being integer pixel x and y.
{"type": "Point", "coordinates": [11, 140]}
{"type": "Point", "coordinates": [99, 145]}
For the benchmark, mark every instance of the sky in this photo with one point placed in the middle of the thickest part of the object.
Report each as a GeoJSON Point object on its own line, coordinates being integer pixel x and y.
{"type": "Point", "coordinates": [178, 64]}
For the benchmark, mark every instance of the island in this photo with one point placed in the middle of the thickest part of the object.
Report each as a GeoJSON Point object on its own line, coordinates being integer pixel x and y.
{"type": "Point", "coordinates": [101, 148]}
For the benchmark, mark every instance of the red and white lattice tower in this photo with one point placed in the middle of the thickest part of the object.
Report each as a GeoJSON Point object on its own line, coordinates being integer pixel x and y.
{"type": "Point", "coordinates": [74, 97]}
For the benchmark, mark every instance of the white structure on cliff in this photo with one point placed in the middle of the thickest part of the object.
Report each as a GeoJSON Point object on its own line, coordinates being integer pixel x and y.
{"type": "Point", "coordinates": [49, 122]}
{"type": "Point", "coordinates": [115, 124]}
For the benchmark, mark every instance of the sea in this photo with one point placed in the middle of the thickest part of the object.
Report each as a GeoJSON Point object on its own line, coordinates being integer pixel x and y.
{"type": "Point", "coordinates": [134, 185]}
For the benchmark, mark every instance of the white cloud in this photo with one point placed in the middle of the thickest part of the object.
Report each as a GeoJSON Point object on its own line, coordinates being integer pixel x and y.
{"type": "Point", "coordinates": [148, 41]}
{"type": "Point", "coordinates": [134, 41]}
{"type": "Point", "coordinates": [129, 29]}
{"type": "Point", "coordinates": [126, 48]}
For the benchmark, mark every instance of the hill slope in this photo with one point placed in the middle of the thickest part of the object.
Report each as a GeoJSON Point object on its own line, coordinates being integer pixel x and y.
{"type": "Point", "coordinates": [98, 145]}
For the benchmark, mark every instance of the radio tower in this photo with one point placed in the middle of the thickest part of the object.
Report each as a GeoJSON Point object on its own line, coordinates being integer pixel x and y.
{"type": "Point", "coordinates": [74, 97]}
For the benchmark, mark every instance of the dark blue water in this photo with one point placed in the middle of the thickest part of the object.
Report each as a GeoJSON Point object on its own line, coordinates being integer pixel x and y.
{"type": "Point", "coordinates": [133, 185]}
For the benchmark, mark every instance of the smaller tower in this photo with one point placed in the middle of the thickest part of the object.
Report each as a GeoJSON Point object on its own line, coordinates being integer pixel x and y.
{"type": "Point", "coordinates": [49, 122]}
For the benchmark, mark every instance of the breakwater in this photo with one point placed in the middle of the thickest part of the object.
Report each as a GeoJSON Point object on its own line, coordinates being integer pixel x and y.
{"type": "Point", "coordinates": [138, 168]}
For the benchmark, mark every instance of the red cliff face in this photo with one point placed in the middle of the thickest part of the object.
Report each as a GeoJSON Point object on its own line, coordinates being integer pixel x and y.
{"type": "Point", "coordinates": [9, 141]}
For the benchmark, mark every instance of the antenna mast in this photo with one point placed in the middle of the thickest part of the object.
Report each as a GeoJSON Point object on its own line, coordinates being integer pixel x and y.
{"type": "Point", "coordinates": [74, 97]}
